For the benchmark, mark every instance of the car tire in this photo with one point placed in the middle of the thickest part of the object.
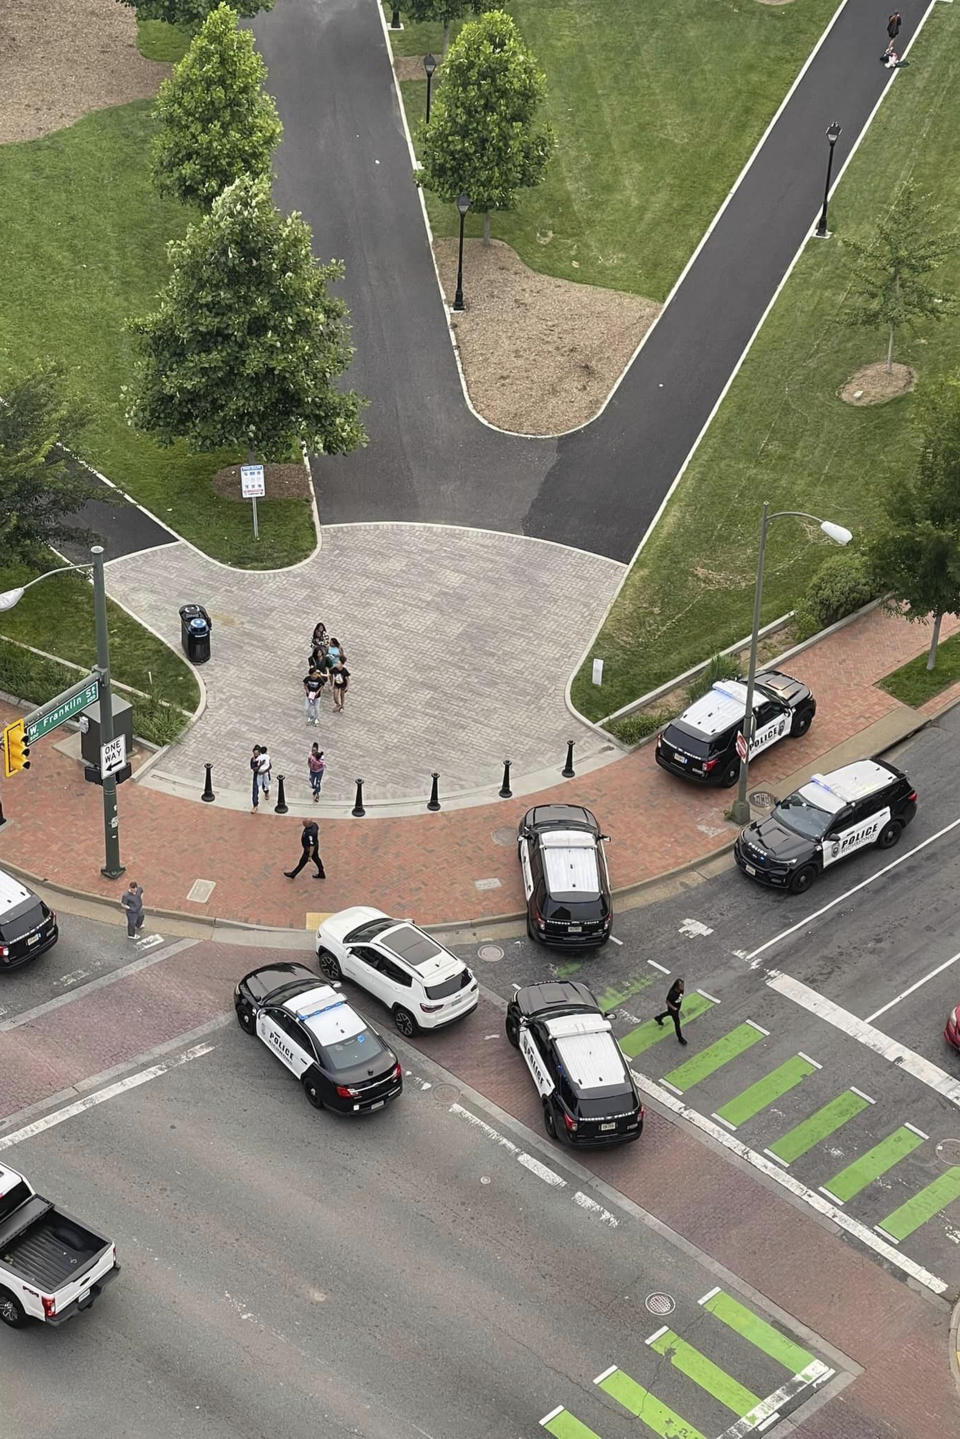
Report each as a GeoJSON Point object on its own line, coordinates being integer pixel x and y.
{"type": "Point", "coordinates": [549, 1119]}
{"type": "Point", "coordinates": [513, 1032]}
{"type": "Point", "coordinates": [329, 966]}
{"type": "Point", "coordinates": [803, 879]}
{"type": "Point", "coordinates": [312, 1090]}
{"type": "Point", "coordinates": [801, 723]}
{"type": "Point", "coordinates": [246, 1019]}
{"type": "Point", "coordinates": [404, 1022]}
{"type": "Point", "coordinates": [889, 835]}
{"type": "Point", "coordinates": [12, 1311]}
{"type": "Point", "coordinates": [730, 775]}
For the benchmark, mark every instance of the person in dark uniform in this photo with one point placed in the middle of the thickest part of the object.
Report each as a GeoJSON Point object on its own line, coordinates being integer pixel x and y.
{"type": "Point", "coordinates": [310, 841]}
{"type": "Point", "coordinates": [893, 25]}
{"type": "Point", "coordinates": [674, 1001]}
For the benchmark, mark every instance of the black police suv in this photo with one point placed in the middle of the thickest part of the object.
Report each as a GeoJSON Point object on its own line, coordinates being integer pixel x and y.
{"type": "Point", "coordinates": [701, 744]}
{"type": "Point", "coordinates": [341, 1062]}
{"type": "Point", "coordinates": [827, 819]}
{"type": "Point", "coordinates": [565, 876]}
{"type": "Point", "coordinates": [27, 926]}
{"type": "Point", "coordinates": [587, 1091]}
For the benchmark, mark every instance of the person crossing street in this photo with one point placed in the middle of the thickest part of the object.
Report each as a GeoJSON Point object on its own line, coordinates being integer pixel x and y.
{"type": "Point", "coordinates": [674, 1001]}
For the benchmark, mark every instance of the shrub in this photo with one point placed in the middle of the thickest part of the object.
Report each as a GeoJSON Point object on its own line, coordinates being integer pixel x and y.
{"type": "Point", "coordinates": [636, 727]}
{"type": "Point", "coordinates": [841, 585]}
{"type": "Point", "coordinates": [720, 667]}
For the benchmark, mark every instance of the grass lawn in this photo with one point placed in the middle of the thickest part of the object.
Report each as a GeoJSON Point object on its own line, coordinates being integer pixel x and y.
{"type": "Point", "coordinates": [159, 41]}
{"type": "Point", "coordinates": [782, 434]}
{"type": "Point", "coordinates": [656, 106]}
{"type": "Point", "coordinates": [913, 684]}
{"type": "Point", "coordinates": [83, 236]}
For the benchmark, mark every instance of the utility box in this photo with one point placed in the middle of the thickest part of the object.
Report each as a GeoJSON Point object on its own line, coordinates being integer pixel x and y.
{"type": "Point", "coordinates": [91, 738]}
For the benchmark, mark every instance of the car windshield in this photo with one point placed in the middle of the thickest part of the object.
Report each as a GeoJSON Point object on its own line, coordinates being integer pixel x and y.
{"type": "Point", "coordinates": [368, 931]}
{"type": "Point", "coordinates": [446, 987]}
{"type": "Point", "coordinates": [605, 1103]}
{"type": "Point", "coordinates": [799, 815]}
{"type": "Point", "coordinates": [687, 741]}
{"type": "Point", "coordinates": [358, 1049]}
{"type": "Point", "coordinates": [21, 921]}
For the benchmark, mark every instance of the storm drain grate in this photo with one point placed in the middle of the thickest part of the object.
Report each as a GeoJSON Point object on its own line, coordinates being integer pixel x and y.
{"type": "Point", "coordinates": [660, 1303]}
{"type": "Point", "coordinates": [201, 890]}
{"type": "Point", "coordinates": [490, 952]}
{"type": "Point", "coordinates": [948, 1152]}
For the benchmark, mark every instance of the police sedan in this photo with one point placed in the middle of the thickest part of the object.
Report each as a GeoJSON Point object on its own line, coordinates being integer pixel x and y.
{"type": "Point", "coordinates": [341, 1062]}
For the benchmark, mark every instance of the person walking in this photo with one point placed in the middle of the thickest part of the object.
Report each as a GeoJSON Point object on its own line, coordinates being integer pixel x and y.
{"type": "Point", "coordinates": [132, 901]}
{"type": "Point", "coordinates": [313, 684]}
{"type": "Point", "coordinates": [264, 769]}
{"type": "Point", "coordinates": [674, 1001]}
{"type": "Point", "coordinates": [340, 679]}
{"type": "Point", "coordinates": [893, 25]}
{"type": "Point", "coordinates": [310, 843]}
{"type": "Point", "coordinates": [316, 764]}
{"type": "Point", "coordinates": [255, 777]}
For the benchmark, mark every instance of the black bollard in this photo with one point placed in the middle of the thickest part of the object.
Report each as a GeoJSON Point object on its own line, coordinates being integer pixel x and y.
{"type": "Point", "coordinates": [568, 770]}
{"type": "Point", "coordinates": [281, 805]}
{"type": "Point", "coordinates": [358, 810]}
{"type": "Point", "coordinates": [395, 19]}
{"type": "Point", "coordinates": [208, 795]}
{"type": "Point", "coordinates": [505, 791]}
{"type": "Point", "coordinates": [433, 803]}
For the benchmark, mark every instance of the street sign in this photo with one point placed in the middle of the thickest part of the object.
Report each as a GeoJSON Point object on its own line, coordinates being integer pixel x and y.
{"type": "Point", "coordinates": [251, 482]}
{"type": "Point", "coordinates": [741, 745]}
{"type": "Point", "coordinates": [64, 707]}
{"type": "Point", "coordinates": [113, 755]}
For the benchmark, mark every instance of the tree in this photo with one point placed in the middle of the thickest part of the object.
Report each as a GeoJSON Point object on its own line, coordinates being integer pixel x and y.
{"type": "Point", "coordinates": [246, 343]}
{"type": "Point", "coordinates": [40, 484]}
{"type": "Point", "coordinates": [890, 273]}
{"type": "Point", "coordinates": [190, 14]}
{"type": "Point", "coordinates": [482, 137]}
{"type": "Point", "coordinates": [444, 11]}
{"type": "Point", "coordinates": [215, 121]}
{"type": "Point", "coordinates": [916, 555]}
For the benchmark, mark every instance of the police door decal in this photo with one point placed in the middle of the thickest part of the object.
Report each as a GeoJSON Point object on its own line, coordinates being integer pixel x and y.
{"type": "Point", "coordinates": [535, 1062]}
{"type": "Point", "coordinates": [282, 1045]}
{"type": "Point", "coordinates": [856, 836]}
{"type": "Point", "coordinates": [768, 734]}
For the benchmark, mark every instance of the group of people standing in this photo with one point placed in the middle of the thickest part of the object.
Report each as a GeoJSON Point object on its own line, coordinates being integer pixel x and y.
{"type": "Point", "coordinates": [327, 665]}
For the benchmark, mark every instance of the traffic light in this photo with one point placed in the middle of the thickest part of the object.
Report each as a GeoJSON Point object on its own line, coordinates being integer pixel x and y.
{"type": "Point", "coordinates": [16, 751]}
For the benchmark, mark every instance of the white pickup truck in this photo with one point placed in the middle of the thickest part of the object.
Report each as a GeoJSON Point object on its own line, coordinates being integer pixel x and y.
{"type": "Point", "coordinates": [51, 1265]}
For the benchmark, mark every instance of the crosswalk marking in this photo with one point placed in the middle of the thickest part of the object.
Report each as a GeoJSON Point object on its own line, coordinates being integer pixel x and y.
{"type": "Point", "coordinates": [564, 1425]}
{"type": "Point", "coordinates": [870, 1166]}
{"type": "Point", "coordinates": [646, 1406]}
{"type": "Point", "coordinates": [696, 1366]}
{"type": "Point", "coordinates": [818, 1126]}
{"type": "Point", "coordinates": [762, 1335]}
{"type": "Point", "coordinates": [766, 1090]}
{"type": "Point", "coordinates": [714, 1057]}
{"type": "Point", "coordinates": [650, 1033]}
{"type": "Point", "coordinates": [923, 1206]}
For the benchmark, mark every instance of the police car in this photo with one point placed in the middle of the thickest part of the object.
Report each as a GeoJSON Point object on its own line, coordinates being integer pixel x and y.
{"type": "Point", "coordinates": [27, 927]}
{"type": "Point", "coordinates": [827, 819]}
{"type": "Point", "coordinates": [587, 1091]}
{"type": "Point", "coordinates": [342, 1062]}
{"type": "Point", "coordinates": [565, 877]}
{"type": "Point", "coordinates": [701, 744]}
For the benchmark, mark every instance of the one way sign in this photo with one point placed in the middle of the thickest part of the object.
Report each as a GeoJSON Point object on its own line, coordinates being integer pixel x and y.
{"type": "Point", "coordinates": [113, 755]}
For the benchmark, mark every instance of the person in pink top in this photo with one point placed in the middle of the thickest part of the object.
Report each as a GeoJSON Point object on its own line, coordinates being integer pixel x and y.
{"type": "Point", "coordinates": [316, 764]}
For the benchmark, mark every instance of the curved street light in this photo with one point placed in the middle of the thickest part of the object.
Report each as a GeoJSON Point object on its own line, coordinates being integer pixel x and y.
{"type": "Point", "coordinates": [463, 205]}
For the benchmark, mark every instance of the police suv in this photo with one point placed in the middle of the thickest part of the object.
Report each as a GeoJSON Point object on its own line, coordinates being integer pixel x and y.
{"type": "Point", "coordinates": [827, 819]}
{"type": "Point", "coordinates": [341, 1062]}
{"type": "Point", "coordinates": [587, 1091]}
{"type": "Point", "coordinates": [565, 877]}
{"type": "Point", "coordinates": [701, 744]}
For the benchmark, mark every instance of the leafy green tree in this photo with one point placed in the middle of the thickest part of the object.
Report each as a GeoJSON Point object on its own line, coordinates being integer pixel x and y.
{"type": "Point", "coordinates": [915, 557]}
{"type": "Point", "coordinates": [444, 11]}
{"type": "Point", "coordinates": [190, 14]}
{"type": "Point", "coordinates": [214, 120]}
{"type": "Point", "coordinates": [891, 287]}
{"type": "Point", "coordinates": [246, 344]}
{"type": "Point", "coordinates": [40, 484]}
{"type": "Point", "coordinates": [483, 137]}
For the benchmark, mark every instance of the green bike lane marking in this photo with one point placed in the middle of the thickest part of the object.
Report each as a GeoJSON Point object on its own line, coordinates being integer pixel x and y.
{"type": "Point", "coordinates": [766, 1090]}
{"type": "Point", "coordinates": [757, 1331]}
{"type": "Point", "coordinates": [696, 1366]}
{"type": "Point", "coordinates": [923, 1206]}
{"type": "Point", "coordinates": [870, 1166]}
{"type": "Point", "coordinates": [650, 1033]}
{"type": "Point", "coordinates": [613, 998]}
{"type": "Point", "coordinates": [818, 1126]}
{"type": "Point", "coordinates": [645, 1406]}
{"type": "Point", "coordinates": [715, 1056]}
{"type": "Point", "coordinates": [564, 1425]}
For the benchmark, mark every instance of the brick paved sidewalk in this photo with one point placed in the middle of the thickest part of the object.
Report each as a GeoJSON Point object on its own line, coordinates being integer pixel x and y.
{"type": "Point", "coordinates": [439, 868]}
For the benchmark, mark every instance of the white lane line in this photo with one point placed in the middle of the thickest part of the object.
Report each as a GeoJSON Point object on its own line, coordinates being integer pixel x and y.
{"type": "Point", "coordinates": [855, 1090]}
{"type": "Point", "coordinates": [694, 929]}
{"type": "Point", "coordinates": [914, 1130]}
{"type": "Point", "coordinates": [485, 1128]}
{"type": "Point", "coordinates": [763, 1414]}
{"type": "Point", "coordinates": [656, 1334]}
{"type": "Point", "coordinates": [614, 940]}
{"type": "Point", "coordinates": [708, 996]}
{"type": "Point", "coordinates": [592, 1207]}
{"type": "Point", "coordinates": [125, 970]}
{"type": "Point", "coordinates": [871, 879]}
{"type": "Point", "coordinates": [725, 1122]}
{"type": "Point", "coordinates": [606, 1374]}
{"type": "Point", "coordinates": [925, 1070]}
{"type": "Point", "coordinates": [807, 1060]}
{"type": "Point", "coordinates": [754, 1025]}
{"type": "Point", "coordinates": [100, 1095]}
{"type": "Point", "coordinates": [662, 967]}
{"type": "Point", "coordinates": [777, 1158]}
{"type": "Point", "coordinates": [709, 1294]}
{"type": "Point", "coordinates": [553, 1414]}
{"type": "Point", "coordinates": [904, 992]}
{"type": "Point", "coordinates": [549, 1176]}
{"type": "Point", "coordinates": [800, 1191]}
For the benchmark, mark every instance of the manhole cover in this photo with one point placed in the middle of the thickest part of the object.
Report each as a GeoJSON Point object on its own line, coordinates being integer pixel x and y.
{"type": "Point", "coordinates": [763, 799]}
{"type": "Point", "coordinates": [948, 1152]}
{"type": "Point", "coordinates": [660, 1303]}
{"type": "Point", "coordinates": [490, 952]}
{"type": "Point", "coordinates": [505, 835]}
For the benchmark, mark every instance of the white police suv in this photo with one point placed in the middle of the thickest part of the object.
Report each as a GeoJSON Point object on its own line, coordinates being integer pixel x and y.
{"type": "Point", "coordinates": [701, 744]}
{"type": "Point", "coordinates": [827, 819]}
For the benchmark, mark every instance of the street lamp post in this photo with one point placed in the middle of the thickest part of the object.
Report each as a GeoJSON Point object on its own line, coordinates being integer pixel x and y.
{"type": "Point", "coordinates": [740, 810]}
{"type": "Point", "coordinates": [463, 205]}
{"type": "Point", "coordinates": [833, 135]}
{"type": "Point", "coordinates": [112, 868]}
{"type": "Point", "coordinates": [429, 64]}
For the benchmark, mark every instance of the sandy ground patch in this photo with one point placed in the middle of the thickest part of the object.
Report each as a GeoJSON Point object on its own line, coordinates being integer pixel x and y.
{"type": "Point", "coordinates": [60, 59]}
{"type": "Point", "coordinates": [874, 386]}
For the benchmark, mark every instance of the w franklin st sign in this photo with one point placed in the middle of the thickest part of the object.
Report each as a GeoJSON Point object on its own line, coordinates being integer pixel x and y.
{"type": "Point", "coordinates": [62, 708]}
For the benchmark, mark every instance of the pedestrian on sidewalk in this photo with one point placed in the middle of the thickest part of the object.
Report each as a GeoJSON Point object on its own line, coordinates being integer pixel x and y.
{"type": "Point", "coordinates": [340, 678]}
{"type": "Point", "coordinates": [132, 901]}
{"type": "Point", "coordinates": [335, 652]}
{"type": "Point", "coordinates": [890, 58]}
{"type": "Point", "coordinates": [319, 640]}
{"type": "Point", "coordinates": [255, 777]}
{"type": "Point", "coordinates": [893, 25]}
{"type": "Point", "coordinates": [264, 769]}
{"type": "Point", "coordinates": [310, 842]}
{"type": "Point", "coordinates": [316, 764]}
{"type": "Point", "coordinates": [674, 1001]}
{"type": "Point", "coordinates": [313, 684]}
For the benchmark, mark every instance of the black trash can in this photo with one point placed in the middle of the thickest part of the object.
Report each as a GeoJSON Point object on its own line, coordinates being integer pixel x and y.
{"type": "Point", "coordinates": [195, 627]}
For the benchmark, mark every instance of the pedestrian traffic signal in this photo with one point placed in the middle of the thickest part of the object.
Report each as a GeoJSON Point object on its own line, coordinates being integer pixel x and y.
{"type": "Point", "coordinates": [16, 751]}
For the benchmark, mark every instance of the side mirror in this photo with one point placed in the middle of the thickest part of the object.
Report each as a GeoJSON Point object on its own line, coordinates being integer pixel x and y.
{"type": "Point", "coordinates": [604, 838]}
{"type": "Point", "coordinates": [525, 833]}
{"type": "Point", "coordinates": [609, 1013]}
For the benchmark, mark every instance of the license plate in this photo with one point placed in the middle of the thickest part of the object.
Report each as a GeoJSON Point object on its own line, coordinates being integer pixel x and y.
{"type": "Point", "coordinates": [379, 1104]}
{"type": "Point", "coordinates": [680, 758]}
{"type": "Point", "coordinates": [33, 939]}
{"type": "Point", "coordinates": [609, 1126]}
{"type": "Point", "coordinates": [575, 928]}
{"type": "Point", "coordinates": [751, 869]}
{"type": "Point", "coordinates": [82, 1297]}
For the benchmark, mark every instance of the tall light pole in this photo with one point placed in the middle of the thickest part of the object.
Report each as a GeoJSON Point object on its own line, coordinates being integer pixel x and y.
{"type": "Point", "coordinates": [740, 808]}
{"type": "Point", "coordinates": [429, 64]}
{"type": "Point", "coordinates": [111, 868]}
{"type": "Point", "coordinates": [463, 205]}
{"type": "Point", "coordinates": [833, 135]}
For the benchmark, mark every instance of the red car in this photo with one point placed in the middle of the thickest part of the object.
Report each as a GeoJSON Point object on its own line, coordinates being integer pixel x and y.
{"type": "Point", "coordinates": [952, 1032]}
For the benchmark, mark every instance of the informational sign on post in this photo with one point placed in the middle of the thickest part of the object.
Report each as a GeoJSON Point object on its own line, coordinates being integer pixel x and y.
{"type": "Point", "coordinates": [252, 487]}
{"type": "Point", "coordinates": [113, 755]}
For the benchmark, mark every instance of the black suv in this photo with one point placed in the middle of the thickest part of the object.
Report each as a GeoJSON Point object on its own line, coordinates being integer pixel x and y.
{"type": "Point", "coordinates": [827, 819]}
{"type": "Point", "coordinates": [701, 744]}
{"type": "Point", "coordinates": [585, 1086]}
{"type": "Point", "coordinates": [565, 876]}
{"type": "Point", "coordinates": [27, 926]}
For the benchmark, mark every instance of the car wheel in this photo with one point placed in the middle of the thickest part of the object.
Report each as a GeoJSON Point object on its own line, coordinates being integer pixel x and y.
{"type": "Point", "coordinates": [549, 1119]}
{"type": "Point", "coordinates": [889, 835]}
{"type": "Point", "coordinates": [328, 966]}
{"type": "Point", "coordinates": [12, 1311]}
{"type": "Point", "coordinates": [730, 775]}
{"type": "Point", "coordinates": [312, 1090]}
{"type": "Point", "coordinates": [801, 723]}
{"type": "Point", "coordinates": [405, 1022]}
{"type": "Point", "coordinates": [803, 879]}
{"type": "Point", "coordinates": [247, 1019]}
{"type": "Point", "coordinates": [513, 1031]}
